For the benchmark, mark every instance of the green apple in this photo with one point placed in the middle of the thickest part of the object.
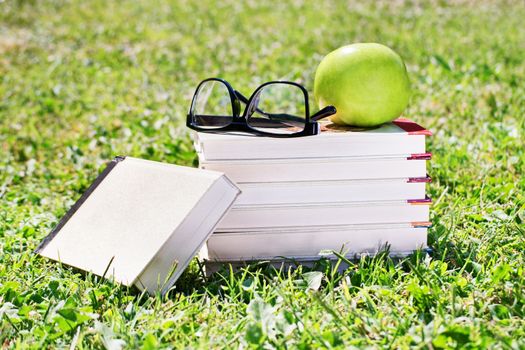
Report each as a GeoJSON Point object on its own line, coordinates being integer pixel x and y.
{"type": "Point", "coordinates": [367, 83]}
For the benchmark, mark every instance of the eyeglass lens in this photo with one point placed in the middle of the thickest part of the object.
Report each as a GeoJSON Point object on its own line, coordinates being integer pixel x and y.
{"type": "Point", "coordinates": [278, 108]}
{"type": "Point", "coordinates": [212, 106]}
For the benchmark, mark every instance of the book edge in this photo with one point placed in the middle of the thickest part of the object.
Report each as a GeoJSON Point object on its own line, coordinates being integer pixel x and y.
{"type": "Point", "coordinates": [69, 214]}
{"type": "Point", "coordinates": [172, 279]}
{"type": "Point", "coordinates": [196, 252]}
{"type": "Point", "coordinates": [301, 259]}
{"type": "Point", "coordinates": [321, 205]}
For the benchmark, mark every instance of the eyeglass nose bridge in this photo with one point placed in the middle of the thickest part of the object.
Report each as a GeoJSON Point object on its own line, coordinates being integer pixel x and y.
{"type": "Point", "coordinates": [236, 107]}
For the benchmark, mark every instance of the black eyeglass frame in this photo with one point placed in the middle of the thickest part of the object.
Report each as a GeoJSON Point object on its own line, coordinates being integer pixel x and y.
{"type": "Point", "coordinates": [240, 122]}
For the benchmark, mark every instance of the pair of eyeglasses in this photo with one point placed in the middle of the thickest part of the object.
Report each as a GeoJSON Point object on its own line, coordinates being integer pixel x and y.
{"type": "Point", "coordinates": [276, 108]}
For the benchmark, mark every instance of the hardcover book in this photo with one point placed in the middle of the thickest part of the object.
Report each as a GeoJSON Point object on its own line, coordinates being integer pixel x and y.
{"type": "Point", "coordinates": [320, 169]}
{"type": "Point", "coordinates": [400, 137]}
{"type": "Point", "coordinates": [302, 214]}
{"type": "Point", "coordinates": [336, 191]}
{"type": "Point", "coordinates": [141, 222]}
{"type": "Point", "coordinates": [310, 242]}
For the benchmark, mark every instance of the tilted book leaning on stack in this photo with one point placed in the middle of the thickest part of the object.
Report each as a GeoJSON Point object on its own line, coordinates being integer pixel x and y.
{"type": "Point", "coordinates": [141, 222]}
{"type": "Point", "coordinates": [353, 189]}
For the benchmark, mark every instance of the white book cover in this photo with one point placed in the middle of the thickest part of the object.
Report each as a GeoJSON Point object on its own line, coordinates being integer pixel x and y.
{"type": "Point", "coordinates": [141, 222]}
{"type": "Point", "coordinates": [320, 169]}
{"type": "Point", "coordinates": [400, 137]}
{"type": "Point", "coordinates": [279, 216]}
{"type": "Point", "coordinates": [309, 242]}
{"type": "Point", "coordinates": [263, 193]}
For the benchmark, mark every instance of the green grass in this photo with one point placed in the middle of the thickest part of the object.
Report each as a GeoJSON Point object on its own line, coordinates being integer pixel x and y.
{"type": "Point", "coordinates": [81, 82]}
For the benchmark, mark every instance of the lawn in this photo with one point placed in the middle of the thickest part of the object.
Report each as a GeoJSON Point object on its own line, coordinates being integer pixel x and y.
{"type": "Point", "coordinates": [83, 81]}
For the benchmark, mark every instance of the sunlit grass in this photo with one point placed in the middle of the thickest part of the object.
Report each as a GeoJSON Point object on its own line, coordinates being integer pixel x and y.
{"type": "Point", "coordinates": [81, 82]}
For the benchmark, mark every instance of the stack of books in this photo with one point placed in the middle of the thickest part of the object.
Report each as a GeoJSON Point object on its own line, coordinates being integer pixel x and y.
{"type": "Point", "coordinates": [346, 190]}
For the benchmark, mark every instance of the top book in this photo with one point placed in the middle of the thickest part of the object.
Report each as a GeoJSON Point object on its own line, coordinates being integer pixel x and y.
{"type": "Point", "coordinates": [400, 137]}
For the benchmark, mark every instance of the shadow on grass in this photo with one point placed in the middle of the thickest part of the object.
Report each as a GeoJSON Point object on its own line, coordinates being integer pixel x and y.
{"type": "Point", "coordinates": [359, 271]}
{"type": "Point", "coordinates": [228, 278]}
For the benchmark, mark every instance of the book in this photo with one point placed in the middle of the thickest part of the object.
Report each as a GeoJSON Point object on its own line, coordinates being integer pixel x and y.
{"type": "Point", "coordinates": [302, 214]}
{"type": "Point", "coordinates": [319, 169]}
{"type": "Point", "coordinates": [141, 222]}
{"type": "Point", "coordinates": [314, 242]}
{"type": "Point", "coordinates": [335, 191]}
{"type": "Point", "coordinates": [400, 137]}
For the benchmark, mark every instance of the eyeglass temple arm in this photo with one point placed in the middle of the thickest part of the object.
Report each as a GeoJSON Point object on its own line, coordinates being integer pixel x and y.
{"type": "Point", "coordinates": [244, 100]}
{"type": "Point", "coordinates": [241, 97]}
{"type": "Point", "coordinates": [323, 113]}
